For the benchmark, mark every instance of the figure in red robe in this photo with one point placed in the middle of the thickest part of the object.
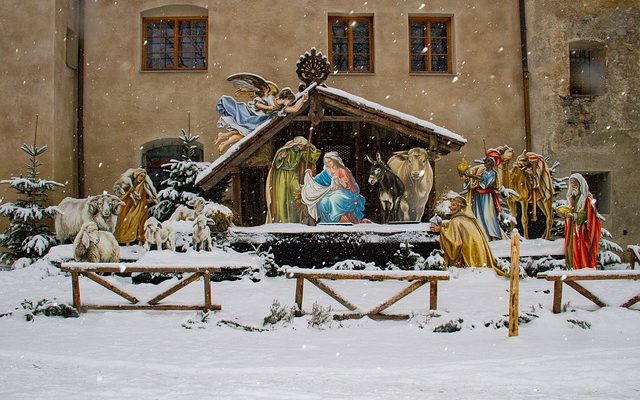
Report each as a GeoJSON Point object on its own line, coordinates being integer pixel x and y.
{"type": "Point", "coordinates": [582, 227]}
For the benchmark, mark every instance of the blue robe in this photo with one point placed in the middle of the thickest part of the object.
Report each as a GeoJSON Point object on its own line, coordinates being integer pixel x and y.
{"type": "Point", "coordinates": [484, 206]}
{"type": "Point", "coordinates": [239, 116]}
{"type": "Point", "coordinates": [336, 203]}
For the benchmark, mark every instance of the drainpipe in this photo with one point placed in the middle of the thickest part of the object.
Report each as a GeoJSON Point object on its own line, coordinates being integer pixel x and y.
{"type": "Point", "coordinates": [525, 76]}
{"type": "Point", "coordinates": [80, 102]}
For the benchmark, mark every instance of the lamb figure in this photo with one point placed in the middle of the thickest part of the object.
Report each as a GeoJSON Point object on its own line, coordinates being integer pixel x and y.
{"type": "Point", "coordinates": [93, 245]}
{"type": "Point", "coordinates": [201, 238]}
{"type": "Point", "coordinates": [184, 213]}
{"type": "Point", "coordinates": [159, 234]}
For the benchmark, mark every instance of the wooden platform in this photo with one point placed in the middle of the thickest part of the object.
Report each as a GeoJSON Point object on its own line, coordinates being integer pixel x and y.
{"type": "Point", "coordinates": [324, 245]}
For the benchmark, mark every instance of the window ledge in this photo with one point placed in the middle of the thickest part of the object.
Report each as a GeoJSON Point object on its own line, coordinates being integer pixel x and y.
{"type": "Point", "coordinates": [447, 74]}
{"type": "Point", "coordinates": [352, 74]}
{"type": "Point", "coordinates": [166, 71]}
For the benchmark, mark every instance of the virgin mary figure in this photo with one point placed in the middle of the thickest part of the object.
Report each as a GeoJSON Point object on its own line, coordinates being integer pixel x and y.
{"type": "Point", "coordinates": [333, 196]}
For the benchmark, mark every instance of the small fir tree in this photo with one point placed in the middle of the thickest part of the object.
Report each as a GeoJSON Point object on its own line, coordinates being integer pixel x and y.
{"type": "Point", "coordinates": [180, 186]}
{"type": "Point", "coordinates": [28, 235]}
{"type": "Point", "coordinates": [406, 259]}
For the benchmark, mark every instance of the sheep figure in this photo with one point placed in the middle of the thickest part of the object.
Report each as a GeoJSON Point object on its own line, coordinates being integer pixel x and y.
{"type": "Point", "coordinates": [159, 234]}
{"type": "Point", "coordinates": [102, 209]}
{"type": "Point", "coordinates": [184, 213]}
{"type": "Point", "coordinates": [93, 245]}
{"type": "Point", "coordinates": [201, 237]}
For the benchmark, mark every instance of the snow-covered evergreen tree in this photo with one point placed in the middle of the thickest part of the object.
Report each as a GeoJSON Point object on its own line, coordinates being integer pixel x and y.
{"type": "Point", "coordinates": [180, 186]}
{"type": "Point", "coordinates": [28, 236]}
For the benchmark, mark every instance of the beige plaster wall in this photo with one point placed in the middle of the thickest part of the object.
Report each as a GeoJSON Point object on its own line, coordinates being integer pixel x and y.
{"type": "Point", "coordinates": [126, 107]}
{"type": "Point", "coordinates": [613, 143]}
{"type": "Point", "coordinates": [33, 81]}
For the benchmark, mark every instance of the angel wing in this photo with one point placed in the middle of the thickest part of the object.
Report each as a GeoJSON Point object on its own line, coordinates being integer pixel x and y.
{"type": "Point", "coordinates": [250, 85]}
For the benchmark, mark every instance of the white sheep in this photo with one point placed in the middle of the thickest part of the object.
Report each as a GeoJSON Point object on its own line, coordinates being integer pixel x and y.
{"type": "Point", "coordinates": [201, 237]}
{"type": "Point", "coordinates": [184, 213]}
{"type": "Point", "coordinates": [158, 234]}
{"type": "Point", "coordinates": [102, 209]}
{"type": "Point", "coordinates": [93, 245]}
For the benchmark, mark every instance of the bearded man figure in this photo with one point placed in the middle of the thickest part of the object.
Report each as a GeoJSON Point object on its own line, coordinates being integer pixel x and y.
{"type": "Point", "coordinates": [462, 240]}
{"type": "Point", "coordinates": [582, 226]}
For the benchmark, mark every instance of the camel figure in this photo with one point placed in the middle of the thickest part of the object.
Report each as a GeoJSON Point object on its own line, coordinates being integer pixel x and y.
{"type": "Point", "coordinates": [531, 180]}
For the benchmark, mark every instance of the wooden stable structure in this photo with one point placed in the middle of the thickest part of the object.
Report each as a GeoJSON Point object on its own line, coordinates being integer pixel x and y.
{"type": "Point", "coordinates": [333, 120]}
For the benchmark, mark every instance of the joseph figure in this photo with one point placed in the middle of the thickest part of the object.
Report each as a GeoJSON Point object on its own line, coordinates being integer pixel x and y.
{"type": "Point", "coordinates": [283, 182]}
{"type": "Point", "coordinates": [462, 240]}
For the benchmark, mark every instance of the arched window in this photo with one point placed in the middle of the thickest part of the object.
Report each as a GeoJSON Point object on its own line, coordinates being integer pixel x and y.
{"type": "Point", "coordinates": [161, 151]}
{"type": "Point", "coordinates": [586, 68]}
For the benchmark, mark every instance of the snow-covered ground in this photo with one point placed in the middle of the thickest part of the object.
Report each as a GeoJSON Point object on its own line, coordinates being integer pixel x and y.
{"type": "Point", "coordinates": [151, 355]}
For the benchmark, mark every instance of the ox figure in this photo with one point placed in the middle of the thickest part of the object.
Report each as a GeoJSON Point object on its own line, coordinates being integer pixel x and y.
{"type": "Point", "coordinates": [390, 189]}
{"type": "Point", "coordinates": [415, 172]}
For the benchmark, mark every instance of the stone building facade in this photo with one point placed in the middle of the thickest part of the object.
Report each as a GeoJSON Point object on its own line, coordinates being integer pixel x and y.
{"type": "Point", "coordinates": [128, 110]}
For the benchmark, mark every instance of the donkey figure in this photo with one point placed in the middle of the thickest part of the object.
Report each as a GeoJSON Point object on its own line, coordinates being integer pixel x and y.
{"type": "Point", "coordinates": [390, 188]}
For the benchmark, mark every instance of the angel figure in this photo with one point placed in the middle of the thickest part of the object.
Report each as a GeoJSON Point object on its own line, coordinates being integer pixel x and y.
{"type": "Point", "coordinates": [264, 99]}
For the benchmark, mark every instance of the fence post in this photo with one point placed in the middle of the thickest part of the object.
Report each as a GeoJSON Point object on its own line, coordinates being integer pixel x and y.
{"type": "Point", "coordinates": [514, 285]}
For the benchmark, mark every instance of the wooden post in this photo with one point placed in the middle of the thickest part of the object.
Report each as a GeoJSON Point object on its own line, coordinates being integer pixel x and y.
{"type": "Point", "coordinates": [557, 296]}
{"type": "Point", "coordinates": [206, 276]}
{"type": "Point", "coordinates": [514, 290]}
{"type": "Point", "coordinates": [299, 292]}
{"type": "Point", "coordinates": [75, 285]}
{"type": "Point", "coordinates": [433, 294]}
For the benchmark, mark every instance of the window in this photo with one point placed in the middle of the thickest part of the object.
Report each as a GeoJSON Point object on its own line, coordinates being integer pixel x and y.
{"type": "Point", "coordinates": [174, 43]}
{"type": "Point", "coordinates": [600, 187]}
{"type": "Point", "coordinates": [351, 44]}
{"type": "Point", "coordinates": [162, 151]}
{"type": "Point", "coordinates": [586, 69]}
{"type": "Point", "coordinates": [430, 44]}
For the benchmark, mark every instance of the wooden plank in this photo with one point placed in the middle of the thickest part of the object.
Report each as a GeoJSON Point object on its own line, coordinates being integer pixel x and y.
{"type": "Point", "coordinates": [75, 286]}
{"type": "Point", "coordinates": [433, 295]}
{"type": "Point", "coordinates": [394, 299]}
{"type": "Point", "coordinates": [386, 317]}
{"type": "Point", "coordinates": [596, 277]}
{"type": "Point", "coordinates": [376, 317]}
{"type": "Point", "coordinates": [557, 296]}
{"type": "Point", "coordinates": [134, 267]}
{"type": "Point", "coordinates": [333, 294]}
{"type": "Point", "coordinates": [184, 282]}
{"type": "Point", "coordinates": [206, 277]}
{"type": "Point", "coordinates": [586, 293]}
{"type": "Point", "coordinates": [299, 294]}
{"type": "Point", "coordinates": [177, 307]}
{"type": "Point", "coordinates": [514, 284]}
{"type": "Point", "coordinates": [332, 118]}
{"type": "Point", "coordinates": [111, 287]}
{"type": "Point", "coordinates": [632, 301]}
{"type": "Point", "coordinates": [374, 276]}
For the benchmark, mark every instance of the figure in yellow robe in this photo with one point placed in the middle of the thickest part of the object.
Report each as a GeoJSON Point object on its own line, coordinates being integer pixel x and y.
{"type": "Point", "coordinates": [463, 241]}
{"type": "Point", "coordinates": [137, 192]}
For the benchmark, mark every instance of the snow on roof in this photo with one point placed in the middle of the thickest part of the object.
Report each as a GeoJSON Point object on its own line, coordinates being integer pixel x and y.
{"type": "Point", "coordinates": [438, 130]}
{"type": "Point", "coordinates": [389, 111]}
